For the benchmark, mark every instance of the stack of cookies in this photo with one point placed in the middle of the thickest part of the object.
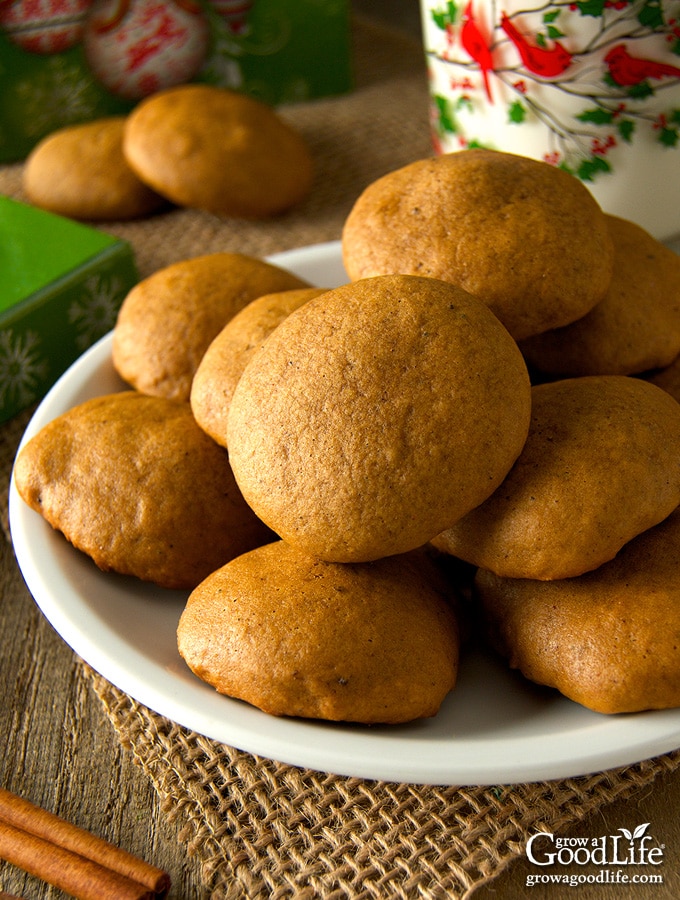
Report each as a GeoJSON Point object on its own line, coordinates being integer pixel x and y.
{"type": "Point", "coordinates": [354, 450]}
{"type": "Point", "coordinates": [195, 145]}
{"type": "Point", "coordinates": [577, 552]}
{"type": "Point", "coordinates": [369, 419]}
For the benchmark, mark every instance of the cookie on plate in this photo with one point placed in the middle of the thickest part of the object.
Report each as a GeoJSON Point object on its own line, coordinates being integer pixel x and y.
{"type": "Point", "coordinates": [377, 413]}
{"type": "Point", "coordinates": [526, 238]}
{"type": "Point", "coordinates": [168, 320]}
{"type": "Point", "coordinates": [227, 356]}
{"type": "Point", "coordinates": [134, 483]}
{"type": "Point", "coordinates": [636, 327]}
{"type": "Point", "coordinates": [667, 378]}
{"type": "Point", "coordinates": [609, 639]}
{"type": "Point", "coordinates": [601, 464]}
{"type": "Point", "coordinates": [80, 171]}
{"type": "Point", "coordinates": [373, 643]}
{"type": "Point", "coordinates": [219, 150]}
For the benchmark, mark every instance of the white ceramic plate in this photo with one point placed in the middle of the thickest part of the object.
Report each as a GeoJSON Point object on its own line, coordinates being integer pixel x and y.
{"type": "Point", "coordinates": [495, 728]}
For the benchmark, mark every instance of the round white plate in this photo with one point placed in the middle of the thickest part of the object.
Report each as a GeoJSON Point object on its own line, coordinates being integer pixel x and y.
{"type": "Point", "coordinates": [494, 728]}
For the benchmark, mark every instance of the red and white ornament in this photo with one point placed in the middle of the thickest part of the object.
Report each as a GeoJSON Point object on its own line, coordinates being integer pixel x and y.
{"type": "Point", "coordinates": [234, 13]}
{"type": "Point", "coordinates": [44, 26]}
{"type": "Point", "coordinates": [137, 47]}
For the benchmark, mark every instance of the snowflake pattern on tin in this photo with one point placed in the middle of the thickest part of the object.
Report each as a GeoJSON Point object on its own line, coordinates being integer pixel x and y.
{"type": "Point", "coordinates": [94, 313]}
{"type": "Point", "coordinates": [22, 368]}
{"type": "Point", "coordinates": [59, 94]}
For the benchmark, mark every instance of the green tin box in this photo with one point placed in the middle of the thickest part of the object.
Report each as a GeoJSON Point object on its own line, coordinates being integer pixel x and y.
{"type": "Point", "coordinates": [69, 61]}
{"type": "Point", "coordinates": [61, 285]}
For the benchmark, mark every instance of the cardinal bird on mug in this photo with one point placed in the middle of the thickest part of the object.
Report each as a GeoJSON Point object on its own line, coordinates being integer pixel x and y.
{"type": "Point", "coordinates": [628, 70]}
{"type": "Point", "coordinates": [475, 45]}
{"type": "Point", "coordinates": [547, 62]}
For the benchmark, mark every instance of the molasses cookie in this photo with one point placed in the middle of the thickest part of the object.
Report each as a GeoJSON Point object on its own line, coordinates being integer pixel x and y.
{"type": "Point", "coordinates": [80, 171]}
{"type": "Point", "coordinates": [169, 319]}
{"type": "Point", "coordinates": [601, 464]}
{"type": "Point", "coordinates": [636, 326]}
{"type": "Point", "coordinates": [135, 484]}
{"type": "Point", "coordinates": [227, 356]}
{"type": "Point", "coordinates": [294, 636]}
{"type": "Point", "coordinates": [609, 639]}
{"type": "Point", "coordinates": [527, 239]}
{"type": "Point", "coordinates": [667, 378]}
{"type": "Point", "coordinates": [376, 415]}
{"type": "Point", "coordinates": [219, 150]}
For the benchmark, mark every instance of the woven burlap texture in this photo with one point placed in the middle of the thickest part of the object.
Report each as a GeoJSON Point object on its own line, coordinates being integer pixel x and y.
{"type": "Point", "coordinates": [265, 829]}
{"type": "Point", "coordinates": [261, 828]}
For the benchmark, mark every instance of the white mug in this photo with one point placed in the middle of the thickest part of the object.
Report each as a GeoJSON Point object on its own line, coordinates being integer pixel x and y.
{"type": "Point", "coordinates": [592, 86]}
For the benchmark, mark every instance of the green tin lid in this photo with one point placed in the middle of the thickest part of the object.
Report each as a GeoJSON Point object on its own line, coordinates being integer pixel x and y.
{"type": "Point", "coordinates": [38, 248]}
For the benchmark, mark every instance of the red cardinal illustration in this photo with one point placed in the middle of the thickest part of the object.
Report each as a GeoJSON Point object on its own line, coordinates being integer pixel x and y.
{"type": "Point", "coordinates": [627, 70]}
{"type": "Point", "coordinates": [476, 46]}
{"type": "Point", "coordinates": [548, 62]}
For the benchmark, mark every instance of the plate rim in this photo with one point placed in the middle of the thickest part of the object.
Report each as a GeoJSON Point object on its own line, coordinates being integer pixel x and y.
{"type": "Point", "coordinates": [291, 741]}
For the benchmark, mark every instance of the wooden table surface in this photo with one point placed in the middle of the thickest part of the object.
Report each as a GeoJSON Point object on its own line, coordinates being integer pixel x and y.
{"type": "Point", "coordinates": [58, 748]}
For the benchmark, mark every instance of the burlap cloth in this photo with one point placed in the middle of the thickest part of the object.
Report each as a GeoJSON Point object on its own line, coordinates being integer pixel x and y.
{"type": "Point", "coordinates": [261, 828]}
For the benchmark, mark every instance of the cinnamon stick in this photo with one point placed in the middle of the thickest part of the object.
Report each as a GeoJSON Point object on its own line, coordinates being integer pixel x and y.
{"type": "Point", "coordinates": [50, 847]}
{"type": "Point", "coordinates": [67, 871]}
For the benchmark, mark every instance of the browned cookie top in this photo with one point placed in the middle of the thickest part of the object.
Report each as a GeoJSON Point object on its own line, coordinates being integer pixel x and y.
{"type": "Point", "coordinates": [600, 465]}
{"type": "Point", "coordinates": [133, 482]}
{"type": "Point", "coordinates": [167, 321]}
{"type": "Point", "coordinates": [375, 412]}
{"type": "Point", "coordinates": [80, 171]}
{"type": "Point", "coordinates": [634, 328]}
{"type": "Point", "coordinates": [373, 642]}
{"type": "Point", "coordinates": [526, 238]}
{"type": "Point", "coordinates": [227, 356]}
{"type": "Point", "coordinates": [609, 639]}
{"type": "Point", "coordinates": [219, 150]}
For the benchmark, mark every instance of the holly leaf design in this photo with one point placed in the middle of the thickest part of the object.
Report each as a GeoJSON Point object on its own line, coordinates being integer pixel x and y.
{"type": "Point", "coordinates": [641, 90]}
{"type": "Point", "coordinates": [637, 91]}
{"type": "Point", "coordinates": [445, 16]}
{"type": "Point", "coordinates": [554, 32]}
{"type": "Point", "coordinates": [591, 167]}
{"type": "Point", "coordinates": [626, 127]}
{"type": "Point", "coordinates": [516, 113]}
{"type": "Point", "coordinates": [674, 116]}
{"type": "Point", "coordinates": [668, 137]}
{"type": "Point", "coordinates": [597, 116]}
{"type": "Point", "coordinates": [651, 15]}
{"type": "Point", "coordinates": [591, 7]}
{"type": "Point", "coordinates": [550, 16]}
{"type": "Point", "coordinates": [447, 121]}
{"type": "Point", "coordinates": [476, 144]}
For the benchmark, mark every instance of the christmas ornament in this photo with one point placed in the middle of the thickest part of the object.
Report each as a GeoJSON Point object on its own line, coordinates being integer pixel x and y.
{"type": "Point", "coordinates": [44, 26]}
{"type": "Point", "coordinates": [137, 47]}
